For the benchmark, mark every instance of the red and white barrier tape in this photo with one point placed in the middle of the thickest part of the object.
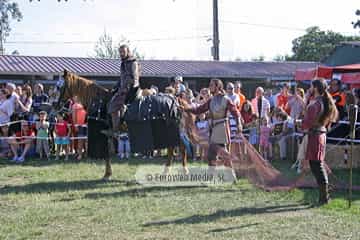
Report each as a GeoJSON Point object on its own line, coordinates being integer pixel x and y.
{"type": "Point", "coordinates": [51, 123]}
{"type": "Point", "coordinates": [41, 138]}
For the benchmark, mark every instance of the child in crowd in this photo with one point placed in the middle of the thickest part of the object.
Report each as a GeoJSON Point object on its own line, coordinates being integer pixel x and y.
{"type": "Point", "coordinates": [62, 141]}
{"type": "Point", "coordinates": [265, 146]}
{"type": "Point", "coordinates": [80, 130]}
{"type": "Point", "coordinates": [203, 129]}
{"type": "Point", "coordinates": [235, 142]}
{"type": "Point", "coordinates": [5, 150]}
{"type": "Point", "coordinates": [52, 120]}
{"type": "Point", "coordinates": [23, 140]}
{"type": "Point", "coordinates": [282, 127]}
{"type": "Point", "coordinates": [123, 142]}
{"type": "Point", "coordinates": [42, 142]}
{"type": "Point", "coordinates": [249, 118]}
{"type": "Point", "coordinates": [185, 148]}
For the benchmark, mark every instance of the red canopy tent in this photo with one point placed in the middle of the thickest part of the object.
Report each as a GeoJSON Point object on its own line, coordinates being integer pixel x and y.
{"type": "Point", "coordinates": [349, 74]}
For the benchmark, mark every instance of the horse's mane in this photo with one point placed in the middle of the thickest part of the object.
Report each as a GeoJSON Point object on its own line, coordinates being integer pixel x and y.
{"type": "Point", "coordinates": [85, 89]}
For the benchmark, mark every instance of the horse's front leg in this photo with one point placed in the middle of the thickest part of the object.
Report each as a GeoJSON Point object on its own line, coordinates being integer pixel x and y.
{"type": "Point", "coordinates": [108, 170]}
{"type": "Point", "coordinates": [170, 157]}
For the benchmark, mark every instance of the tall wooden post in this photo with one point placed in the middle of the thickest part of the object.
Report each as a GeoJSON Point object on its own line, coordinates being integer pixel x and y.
{"type": "Point", "coordinates": [353, 111]}
{"type": "Point", "coordinates": [216, 40]}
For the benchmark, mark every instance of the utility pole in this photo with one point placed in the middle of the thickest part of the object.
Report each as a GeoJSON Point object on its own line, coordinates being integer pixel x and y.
{"type": "Point", "coordinates": [216, 40]}
{"type": "Point", "coordinates": [2, 50]}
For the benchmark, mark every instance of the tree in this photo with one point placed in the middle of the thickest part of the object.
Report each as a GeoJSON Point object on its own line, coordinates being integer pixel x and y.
{"type": "Point", "coordinates": [9, 10]}
{"type": "Point", "coordinates": [280, 58]}
{"type": "Point", "coordinates": [357, 23]}
{"type": "Point", "coordinates": [315, 45]}
{"type": "Point", "coordinates": [260, 58]}
{"type": "Point", "coordinates": [106, 47]}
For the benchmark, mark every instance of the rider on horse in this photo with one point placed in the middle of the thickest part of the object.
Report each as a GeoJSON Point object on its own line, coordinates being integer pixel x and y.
{"type": "Point", "coordinates": [127, 88]}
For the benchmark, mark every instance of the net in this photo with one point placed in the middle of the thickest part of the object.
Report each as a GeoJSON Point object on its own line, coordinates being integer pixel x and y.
{"type": "Point", "coordinates": [248, 163]}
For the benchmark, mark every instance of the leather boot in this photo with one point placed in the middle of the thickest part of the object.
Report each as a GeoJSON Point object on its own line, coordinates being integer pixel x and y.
{"type": "Point", "coordinates": [324, 194]}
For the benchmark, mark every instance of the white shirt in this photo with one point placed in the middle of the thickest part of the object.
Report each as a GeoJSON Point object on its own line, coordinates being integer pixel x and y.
{"type": "Point", "coordinates": [13, 99]}
{"type": "Point", "coordinates": [6, 110]}
{"type": "Point", "coordinates": [234, 98]}
{"type": "Point", "coordinates": [265, 108]}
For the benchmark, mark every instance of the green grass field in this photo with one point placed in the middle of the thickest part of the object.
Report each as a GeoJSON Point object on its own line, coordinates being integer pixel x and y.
{"type": "Point", "coordinates": [58, 200]}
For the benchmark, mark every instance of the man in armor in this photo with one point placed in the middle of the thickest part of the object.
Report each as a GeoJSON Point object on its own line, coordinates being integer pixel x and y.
{"type": "Point", "coordinates": [318, 116]}
{"type": "Point", "coordinates": [126, 88]}
{"type": "Point", "coordinates": [218, 106]}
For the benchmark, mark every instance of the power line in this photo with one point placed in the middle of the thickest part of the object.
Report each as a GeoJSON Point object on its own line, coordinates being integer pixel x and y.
{"type": "Point", "coordinates": [125, 33]}
{"type": "Point", "coordinates": [285, 27]}
{"type": "Point", "coordinates": [94, 42]}
{"type": "Point", "coordinates": [265, 25]}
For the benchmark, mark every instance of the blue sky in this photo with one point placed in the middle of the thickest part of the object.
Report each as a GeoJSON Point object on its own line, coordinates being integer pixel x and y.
{"type": "Point", "coordinates": [174, 29]}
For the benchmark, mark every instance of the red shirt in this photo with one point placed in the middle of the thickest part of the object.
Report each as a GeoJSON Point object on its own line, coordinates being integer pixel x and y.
{"type": "Point", "coordinates": [29, 133]}
{"type": "Point", "coordinates": [79, 113]}
{"type": "Point", "coordinates": [282, 102]}
{"type": "Point", "coordinates": [248, 117]}
{"type": "Point", "coordinates": [315, 149]}
{"type": "Point", "coordinates": [61, 129]}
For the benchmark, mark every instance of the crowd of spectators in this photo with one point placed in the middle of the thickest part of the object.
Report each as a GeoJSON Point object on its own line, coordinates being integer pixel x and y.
{"type": "Point", "coordinates": [30, 126]}
{"type": "Point", "coordinates": [269, 118]}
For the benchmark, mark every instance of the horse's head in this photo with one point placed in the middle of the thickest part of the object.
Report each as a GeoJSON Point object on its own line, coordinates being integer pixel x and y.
{"type": "Point", "coordinates": [59, 90]}
{"type": "Point", "coordinates": [86, 90]}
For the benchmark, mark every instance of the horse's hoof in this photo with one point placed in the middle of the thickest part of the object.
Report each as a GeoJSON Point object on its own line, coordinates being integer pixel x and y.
{"type": "Point", "coordinates": [106, 179]}
{"type": "Point", "coordinates": [167, 170]}
{"type": "Point", "coordinates": [186, 170]}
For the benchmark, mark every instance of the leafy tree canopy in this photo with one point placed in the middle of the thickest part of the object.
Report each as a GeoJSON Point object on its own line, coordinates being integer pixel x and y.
{"type": "Point", "coordinates": [356, 24]}
{"type": "Point", "coordinates": [9, 11]}
{"type": "Point", "coordinates": [316, 44]}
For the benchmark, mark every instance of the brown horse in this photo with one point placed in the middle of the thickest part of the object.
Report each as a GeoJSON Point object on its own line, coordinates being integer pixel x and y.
{"type": "Point", "coordinates": [89, 92]}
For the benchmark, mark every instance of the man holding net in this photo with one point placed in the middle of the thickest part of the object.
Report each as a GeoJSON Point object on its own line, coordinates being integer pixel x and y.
{"type": "Point", "coordinates": [218, 106]}
{"type": "Point", "coordinates": [319, 114]}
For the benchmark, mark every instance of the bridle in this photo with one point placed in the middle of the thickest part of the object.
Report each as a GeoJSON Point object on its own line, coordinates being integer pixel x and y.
{"type": "Point", "coordinates": [60, 87]}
